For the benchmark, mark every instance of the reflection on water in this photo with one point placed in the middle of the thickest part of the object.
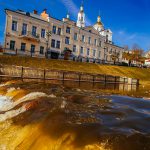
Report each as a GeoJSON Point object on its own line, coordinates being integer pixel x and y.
{"type": "Point", "coordinates": [107, 86]}
{"type": "Point", "coordinates": [65, 118]}
{"type": "Point", "coordinates": [91, 85]}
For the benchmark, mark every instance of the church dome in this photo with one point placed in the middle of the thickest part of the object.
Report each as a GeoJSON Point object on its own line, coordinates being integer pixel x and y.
{"type": "Point", "coordinates": [99, 23]}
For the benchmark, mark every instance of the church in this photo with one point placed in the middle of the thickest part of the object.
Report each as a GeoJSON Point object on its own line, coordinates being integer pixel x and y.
{"type": "Point", "coordinates": [41, 35]}
{"type": "Point", "coordinates": [98, 26]}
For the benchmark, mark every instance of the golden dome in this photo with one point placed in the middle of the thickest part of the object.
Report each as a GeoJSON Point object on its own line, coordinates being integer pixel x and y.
{"type": "Point", "coordinates": [99, 21]}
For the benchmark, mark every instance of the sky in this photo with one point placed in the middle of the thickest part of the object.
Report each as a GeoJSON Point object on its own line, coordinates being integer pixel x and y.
{"type": "Point", "coordinates": [129, 20]}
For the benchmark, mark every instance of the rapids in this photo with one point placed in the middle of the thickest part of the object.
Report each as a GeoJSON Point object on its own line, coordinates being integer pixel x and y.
{"type": "Point", "coordinates": [53, 117]}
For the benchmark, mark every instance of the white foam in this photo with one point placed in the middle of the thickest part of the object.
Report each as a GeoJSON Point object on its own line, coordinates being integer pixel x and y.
{"type": "Point", "coordinates": [6, 103]}
{"type": "Point", "coordinates": [1, 85]}
{"type": "Point", "coordinates": [11, 114]}
{"type": "Point", "coordinates": [10, 89]}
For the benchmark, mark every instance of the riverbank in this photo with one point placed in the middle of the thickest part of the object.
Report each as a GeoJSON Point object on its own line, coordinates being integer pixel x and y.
{"type": "Point", "coordinates": [139, 73]}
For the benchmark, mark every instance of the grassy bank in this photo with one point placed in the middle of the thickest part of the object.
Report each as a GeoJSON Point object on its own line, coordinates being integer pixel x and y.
{"type": "Point", "coordinates": [138, 73]}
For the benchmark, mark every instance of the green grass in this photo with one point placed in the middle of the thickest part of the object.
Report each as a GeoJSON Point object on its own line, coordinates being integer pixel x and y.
{"type": "Point", "coordinates": [138, 73]}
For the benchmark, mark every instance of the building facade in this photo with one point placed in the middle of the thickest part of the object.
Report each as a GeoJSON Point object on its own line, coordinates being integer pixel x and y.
{"type": "Point", "coordinates": [40, 35]}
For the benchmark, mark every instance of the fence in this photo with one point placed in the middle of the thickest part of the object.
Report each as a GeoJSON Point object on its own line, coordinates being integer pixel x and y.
{"type": "Point", "coordinates": [37, 54]}
{"type": "Point", "coordinates": [22, 73]}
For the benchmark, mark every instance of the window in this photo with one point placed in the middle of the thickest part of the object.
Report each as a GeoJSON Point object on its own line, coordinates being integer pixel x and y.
{"type": "Point", "coordinates": [107, 49]}
{"type": "Point", "coordinates": [54, 29]}
{"type": "Point", "coordinates": [68, 30]}
{"type": "Point", "coordinates": [23, 46]}
{"type": "Point", "coordinates": [104, 49]}
{"type": "Point", "coordinates": [41, 50]}
{"type": "Point", "coordinates": [106, 57]}
{"type": "Point", "coordinates": [94, 53]}
{"type": "Point", "coordinates": [111, 51]}
{"type": "Point", "coordinates": [59, 31]}
{"type": "Point", "coordinates": [74, 48]}
{"type": "Point", "coordinates": [67, 40]}
{"type": "Point", "coordinates": [58, 44]}
{"type": "Point", "coordinates": [12, 45]}
{"type": "Point", "coordinates": [81, 50]}
{"type": "Point", "coordinates": [34, 30]}
{"type": "Point", "coordinates": [88, 52]}
{"type": "Point", "coordinates": [99, 54]}
{"type": "Point", "coordinates": [75, 36]}
{"type": "Point", "coordinates": [106, 38]}
{"type": "Point", "coordinates": [83, 38]}
{"type": "Point", "coordinates": [24, 29]}
{"type": "Point", "coordinates": [95, 41]}
{"type": "Point", "coordinates": [53, 43]}
{"type": "Point", "coordinates": [32, 48]}
{"type": "Point", "coordinates": [43, 33]}
{"type": "Point", "coordinates": [89, 40]}
{"type": "Point", "coordinates": [100, 43]}
{"type": "Point", "coordinates": [14, 25]}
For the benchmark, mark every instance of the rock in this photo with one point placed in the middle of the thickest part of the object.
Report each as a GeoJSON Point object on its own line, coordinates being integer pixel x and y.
{"type": "Point", "coordinates": [52, 96]}
{"type": "Point", "coordinates": [78, 90]}
{"type": "Point", "coordinates": [79, 99]}
{"type": "Point", "coordinates": [146, 92]}
{"type": "Point", "coordinates": [63, 104]}
{"type": "Point", "coordinates": [31, 105]}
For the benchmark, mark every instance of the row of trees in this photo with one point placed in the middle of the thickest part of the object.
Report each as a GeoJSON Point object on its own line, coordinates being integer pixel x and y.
{"type": "Point", "coordinates": [136, 54]}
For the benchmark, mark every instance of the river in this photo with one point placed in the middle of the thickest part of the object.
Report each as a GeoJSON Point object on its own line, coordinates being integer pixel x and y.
{"type": "Point", "coordinates": [58, 117]}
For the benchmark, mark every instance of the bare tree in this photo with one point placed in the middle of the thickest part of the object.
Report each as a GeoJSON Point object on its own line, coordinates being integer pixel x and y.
{"type": "Point", "coordinates": [137, 53]}
{"type": "Point", "coordinates": [126, 47]}
{"type": "Point", "coordinates": [147, 54]}
{"type": "Point", "coordinates": [115, 57]}
{"type": "Point", "coordinates": [135, 46]}
{"type": "Point", "coordinates": [1, 48]}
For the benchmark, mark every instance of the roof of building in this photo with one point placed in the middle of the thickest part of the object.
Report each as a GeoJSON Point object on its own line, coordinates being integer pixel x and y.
{"type": "Point", "coordinates": [36, 16]}
{"type": "Point", "coordinates": [114, 45]}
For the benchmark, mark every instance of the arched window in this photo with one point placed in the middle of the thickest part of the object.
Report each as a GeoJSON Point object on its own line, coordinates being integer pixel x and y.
{"type": "Point", "coordinates": [106, 38]}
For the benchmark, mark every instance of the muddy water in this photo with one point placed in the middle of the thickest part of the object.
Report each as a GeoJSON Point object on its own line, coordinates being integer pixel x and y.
{"type": "Point", "coordinates": [53, 117]}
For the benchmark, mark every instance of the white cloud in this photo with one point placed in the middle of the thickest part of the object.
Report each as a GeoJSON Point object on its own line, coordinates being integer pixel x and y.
{"type": "Point", "coordinates": [73, 9]}
{"type": "Point", "coordinates": [122, 38]}
{"type": "Point", "coordinates": [121, 32]}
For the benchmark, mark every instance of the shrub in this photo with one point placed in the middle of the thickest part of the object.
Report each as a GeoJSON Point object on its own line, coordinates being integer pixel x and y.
{"type": "Point", "coordinates": [124, 64]}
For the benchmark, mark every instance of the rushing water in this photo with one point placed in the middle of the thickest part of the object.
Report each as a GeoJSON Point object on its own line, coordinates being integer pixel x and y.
{"type": "Point", "coordinates": [55, 117]}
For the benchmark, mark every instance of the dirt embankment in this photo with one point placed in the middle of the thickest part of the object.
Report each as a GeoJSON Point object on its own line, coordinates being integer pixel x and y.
{"type": "Point", "coordinates": [138, 73]}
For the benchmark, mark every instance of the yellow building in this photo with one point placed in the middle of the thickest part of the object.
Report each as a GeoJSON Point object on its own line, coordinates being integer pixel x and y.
{"type": "Point", "coordinates": [41, 35]}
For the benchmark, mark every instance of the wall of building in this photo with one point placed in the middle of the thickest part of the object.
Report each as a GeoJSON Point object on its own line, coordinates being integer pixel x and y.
{"type": "Point", "coordinates": [48, 26]}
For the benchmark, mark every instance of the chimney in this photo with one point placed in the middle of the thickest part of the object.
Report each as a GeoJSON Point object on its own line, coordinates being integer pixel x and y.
{"type": "Point", "coordinates": [35, 12]}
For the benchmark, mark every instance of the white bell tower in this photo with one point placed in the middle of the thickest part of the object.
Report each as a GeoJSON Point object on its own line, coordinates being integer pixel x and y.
{"type": "Point", "coordinates": [81, 17]}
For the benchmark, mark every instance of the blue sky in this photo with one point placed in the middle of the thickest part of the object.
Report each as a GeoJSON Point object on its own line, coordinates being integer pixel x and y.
{"type": "Point", "coordinates": [128, 19]}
